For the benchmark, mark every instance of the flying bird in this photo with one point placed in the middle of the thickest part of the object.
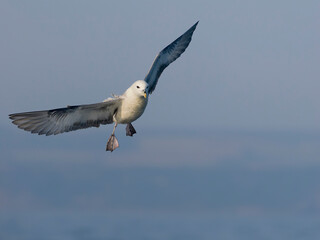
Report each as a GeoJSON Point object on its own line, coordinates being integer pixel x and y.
{"type": "Point", "coordinates": [122, 109]}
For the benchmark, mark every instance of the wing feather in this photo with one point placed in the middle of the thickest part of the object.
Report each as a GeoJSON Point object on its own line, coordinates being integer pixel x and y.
{"type": "Point", "coordinates": [167, 56]}
{"type": "Point", "coordinates": [67, 119]}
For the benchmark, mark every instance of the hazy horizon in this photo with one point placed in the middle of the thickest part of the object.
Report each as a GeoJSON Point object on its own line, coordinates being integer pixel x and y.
{"type": "Point", "coordinates": [228, 147]}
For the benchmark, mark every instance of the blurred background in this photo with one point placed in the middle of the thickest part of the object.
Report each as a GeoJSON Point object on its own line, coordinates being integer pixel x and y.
{"type": "Point", "coordinates": [228, 147]}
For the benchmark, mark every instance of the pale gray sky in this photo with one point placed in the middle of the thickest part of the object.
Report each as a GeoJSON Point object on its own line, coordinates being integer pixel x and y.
{"type": "Point", "coordinates": [232, 127]}
{"type": "Point", "coordinates": [250, 64]}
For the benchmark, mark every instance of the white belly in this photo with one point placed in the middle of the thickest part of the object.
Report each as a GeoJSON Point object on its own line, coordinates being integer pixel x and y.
{"type": "Point", "coordinates": [131, 110]}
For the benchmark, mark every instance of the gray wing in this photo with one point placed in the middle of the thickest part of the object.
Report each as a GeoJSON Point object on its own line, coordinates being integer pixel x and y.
{"type": "Point", "coordinates": [67, 119]}
{"type": "Point", "coordinates": [167, 56]}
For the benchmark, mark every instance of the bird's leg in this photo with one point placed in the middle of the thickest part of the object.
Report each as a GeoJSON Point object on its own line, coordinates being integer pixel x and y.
{"type": "Point", "coordinates": [130, 130]}
{"type": "Point", "coordinates": [112, 143]}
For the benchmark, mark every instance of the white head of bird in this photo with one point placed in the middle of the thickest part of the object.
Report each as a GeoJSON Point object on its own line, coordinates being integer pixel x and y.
{"type": "Point", "coordinates": [138, 88]}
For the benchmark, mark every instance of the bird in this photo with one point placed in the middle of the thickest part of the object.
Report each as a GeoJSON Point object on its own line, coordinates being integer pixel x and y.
{"type": "Point", "coordinates": [118, 109]}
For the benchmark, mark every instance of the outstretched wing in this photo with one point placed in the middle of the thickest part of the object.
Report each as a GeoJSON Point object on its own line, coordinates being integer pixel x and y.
{"type": "Point", "coordinates": [167, 56]}
{"type": "Point", "coordinates": [67, 119]}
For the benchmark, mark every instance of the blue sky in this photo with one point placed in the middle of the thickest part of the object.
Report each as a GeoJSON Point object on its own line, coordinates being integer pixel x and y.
{"type": "Point", "coordinates": [250, 64]}
{"type": "Point", "coordinates": [233, 125]}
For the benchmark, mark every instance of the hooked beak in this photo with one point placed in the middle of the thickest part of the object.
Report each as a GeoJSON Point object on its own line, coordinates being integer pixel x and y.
{"type": "Point", "coordinates": [145, 95]}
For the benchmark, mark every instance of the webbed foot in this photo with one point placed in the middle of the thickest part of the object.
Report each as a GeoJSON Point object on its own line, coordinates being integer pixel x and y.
{"type": "Point", "coordinates": [112, 143]}
{"type": "Point", "coordinates": [130, 130]}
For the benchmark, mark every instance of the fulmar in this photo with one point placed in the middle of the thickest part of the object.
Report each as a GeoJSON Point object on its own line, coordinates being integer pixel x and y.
{"type": "Point", "coordinates": [122, 109]}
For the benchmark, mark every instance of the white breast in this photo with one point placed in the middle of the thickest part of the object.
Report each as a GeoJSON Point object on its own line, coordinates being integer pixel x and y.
{"type": "Point", "coordinates": [131, 109]}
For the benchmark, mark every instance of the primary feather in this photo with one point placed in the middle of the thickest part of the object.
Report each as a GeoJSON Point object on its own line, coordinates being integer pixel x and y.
{"type": "Point", "coordinates": [67, 119]}
{"type": "Point", "coordinates": [167, 56]}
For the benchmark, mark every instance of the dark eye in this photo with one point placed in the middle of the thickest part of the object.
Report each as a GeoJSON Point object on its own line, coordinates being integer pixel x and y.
{"type": "Point", "coordinates": [138, 87]}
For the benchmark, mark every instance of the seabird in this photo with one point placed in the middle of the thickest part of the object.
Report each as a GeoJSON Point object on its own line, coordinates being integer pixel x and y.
{"type": "Point", "coordinates": [122, 109]}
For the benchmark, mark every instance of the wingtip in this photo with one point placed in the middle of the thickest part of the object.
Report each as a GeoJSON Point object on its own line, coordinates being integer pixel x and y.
{"type": "Point", "coordinates": [195, 25]}
{"type": "Point", "coordinates": [11, 116]}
